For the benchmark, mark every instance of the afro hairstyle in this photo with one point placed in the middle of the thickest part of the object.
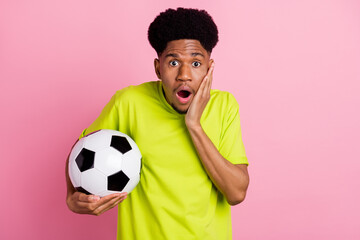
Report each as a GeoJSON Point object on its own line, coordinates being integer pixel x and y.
{"type": "Point", "coordinates": [183, 23]}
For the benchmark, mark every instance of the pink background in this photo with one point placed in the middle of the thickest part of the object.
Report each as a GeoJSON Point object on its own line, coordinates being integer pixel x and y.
{"type": "Point", "coordinates": [294, 67]}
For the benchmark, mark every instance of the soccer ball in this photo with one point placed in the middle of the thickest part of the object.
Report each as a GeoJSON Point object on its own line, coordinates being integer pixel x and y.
{"type": "Point", "coordinates": [105, 162]}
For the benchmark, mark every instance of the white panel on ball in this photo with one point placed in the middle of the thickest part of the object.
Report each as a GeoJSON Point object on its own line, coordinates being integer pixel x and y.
{"type": "Point", "coordinates": [74, 174]}
{"type": "Point", "coordinates": [131, 162]}
{"type": "Point", "coordinates": [105, 193]}
{"type": "Point", "coordinates": [97, 141]}
{"type": "Point", "coordinates": [132, 183]}
{"type": "Point", "coordinates": [93, 181]}
{"type": "Point", "coordinates": [108, 161]}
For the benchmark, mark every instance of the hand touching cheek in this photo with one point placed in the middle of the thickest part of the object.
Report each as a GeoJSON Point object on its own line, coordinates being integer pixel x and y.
{"type": "Point", "coordinates": [201, 98]}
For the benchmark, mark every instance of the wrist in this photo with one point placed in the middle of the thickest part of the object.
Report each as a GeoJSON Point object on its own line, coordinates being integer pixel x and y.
{"type": "Point", "coordinates": [193, 126]}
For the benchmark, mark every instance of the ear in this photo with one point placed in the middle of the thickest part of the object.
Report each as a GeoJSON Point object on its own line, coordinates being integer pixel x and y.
{"type": "Point", "coordinates": [157, 68]}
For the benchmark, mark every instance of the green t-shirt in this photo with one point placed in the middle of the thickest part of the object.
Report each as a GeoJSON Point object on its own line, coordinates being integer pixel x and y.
{"type": "Point", "coordinates": [175, 198]}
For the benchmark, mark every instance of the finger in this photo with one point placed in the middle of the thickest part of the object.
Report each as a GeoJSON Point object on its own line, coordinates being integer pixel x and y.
{"type": "Point", "coordinates": [202, 86]}
{"type": "Point", "coordinates": [199, 94]}
{"type": "Point", "coordinates": [108, 205]}
{"type": "Point", "coordinates": [86, 206]}
{"type": "Point", "coordinates": [87, 198]}
{"type": "Point", "coordinates": [111, 198]}
{"type": "Point", "coordinates": [208, 74]}
{"type": "Point", "coordinates": [93, 207]}
{"type": "Point", "coordinates": [117, 202]}
{"type": "Point", "coordinates": [208, 81]}
{"type": "Point", "coordinates": [212, 67]}
{"type": "Point", "coordinates": [206, 87]}
{"type": "Point", "coordinates": [103, 201]}
{"type": "Point", "coordinates": [211, 70]}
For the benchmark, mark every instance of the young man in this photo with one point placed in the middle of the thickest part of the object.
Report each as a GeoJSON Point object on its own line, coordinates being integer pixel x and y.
{"type": "Point", "coordinates": [194, 164]}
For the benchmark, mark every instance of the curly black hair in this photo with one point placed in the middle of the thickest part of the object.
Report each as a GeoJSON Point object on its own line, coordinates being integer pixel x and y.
{"type": "Point", "coordinates": [183, 23]}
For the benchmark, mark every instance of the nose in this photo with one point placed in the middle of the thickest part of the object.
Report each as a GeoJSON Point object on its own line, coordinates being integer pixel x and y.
{"type": "Point", "coordinates": [184, 73]}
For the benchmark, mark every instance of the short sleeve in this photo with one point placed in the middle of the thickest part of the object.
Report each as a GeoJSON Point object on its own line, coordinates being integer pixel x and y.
{"type": "Point", "coordinates": [231, 144]}
{"type": "Point", "coordinates": [108, 118]}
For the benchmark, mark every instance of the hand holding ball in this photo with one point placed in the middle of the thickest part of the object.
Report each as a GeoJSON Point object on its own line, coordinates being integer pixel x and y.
{"type": "Point", "coordinates": [105, 162]}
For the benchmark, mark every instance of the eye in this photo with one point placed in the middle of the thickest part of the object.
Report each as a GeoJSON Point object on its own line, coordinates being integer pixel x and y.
{"type": "Point", "coordinates": [196, 64]}
{"type": "Point", "coordinates": [174, 63]}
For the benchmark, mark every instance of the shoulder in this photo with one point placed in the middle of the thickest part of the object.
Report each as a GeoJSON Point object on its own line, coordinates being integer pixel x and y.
{"type": "Point", "coordinates": [136, 92]}
{"type": "Point", "coordinates": [223, 99]}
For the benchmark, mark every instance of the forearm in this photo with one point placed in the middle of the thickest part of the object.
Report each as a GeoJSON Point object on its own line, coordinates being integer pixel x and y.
{"type": "Point", "coordinates": [230, 179]}
{"type": "Point", "coordinates": [69, 187]}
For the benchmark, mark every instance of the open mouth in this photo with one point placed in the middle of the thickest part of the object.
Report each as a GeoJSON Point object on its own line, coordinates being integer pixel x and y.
{"type": "Point", "coordinates": [183, 96]}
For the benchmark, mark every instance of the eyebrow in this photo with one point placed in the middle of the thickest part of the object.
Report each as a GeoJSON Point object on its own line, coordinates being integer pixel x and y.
{"type": "Point", "coordinates": [194, 54]}
{"type": "Point", "coordinates": [197, 54]}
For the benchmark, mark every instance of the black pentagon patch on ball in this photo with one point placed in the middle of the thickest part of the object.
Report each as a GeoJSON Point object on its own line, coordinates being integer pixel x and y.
{"type": "Point", "coordinates": [120, 143]}
{"type": "Point", "coordinates": [117, 181]}
{"type": "Point", "coordinates": [80, 189]}
{"type": "Point", "coordinates": [85, 159]}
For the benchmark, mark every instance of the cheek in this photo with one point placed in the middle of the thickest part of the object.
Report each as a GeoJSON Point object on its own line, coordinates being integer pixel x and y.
{"type": "Point", "coordinates": [199, 74]}
{"type": "Point", "coordinates": [166, 73]}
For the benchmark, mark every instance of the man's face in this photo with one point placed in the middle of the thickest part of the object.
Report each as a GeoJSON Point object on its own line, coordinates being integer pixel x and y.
{"type": "Point", "coordinates": [181, 67]}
